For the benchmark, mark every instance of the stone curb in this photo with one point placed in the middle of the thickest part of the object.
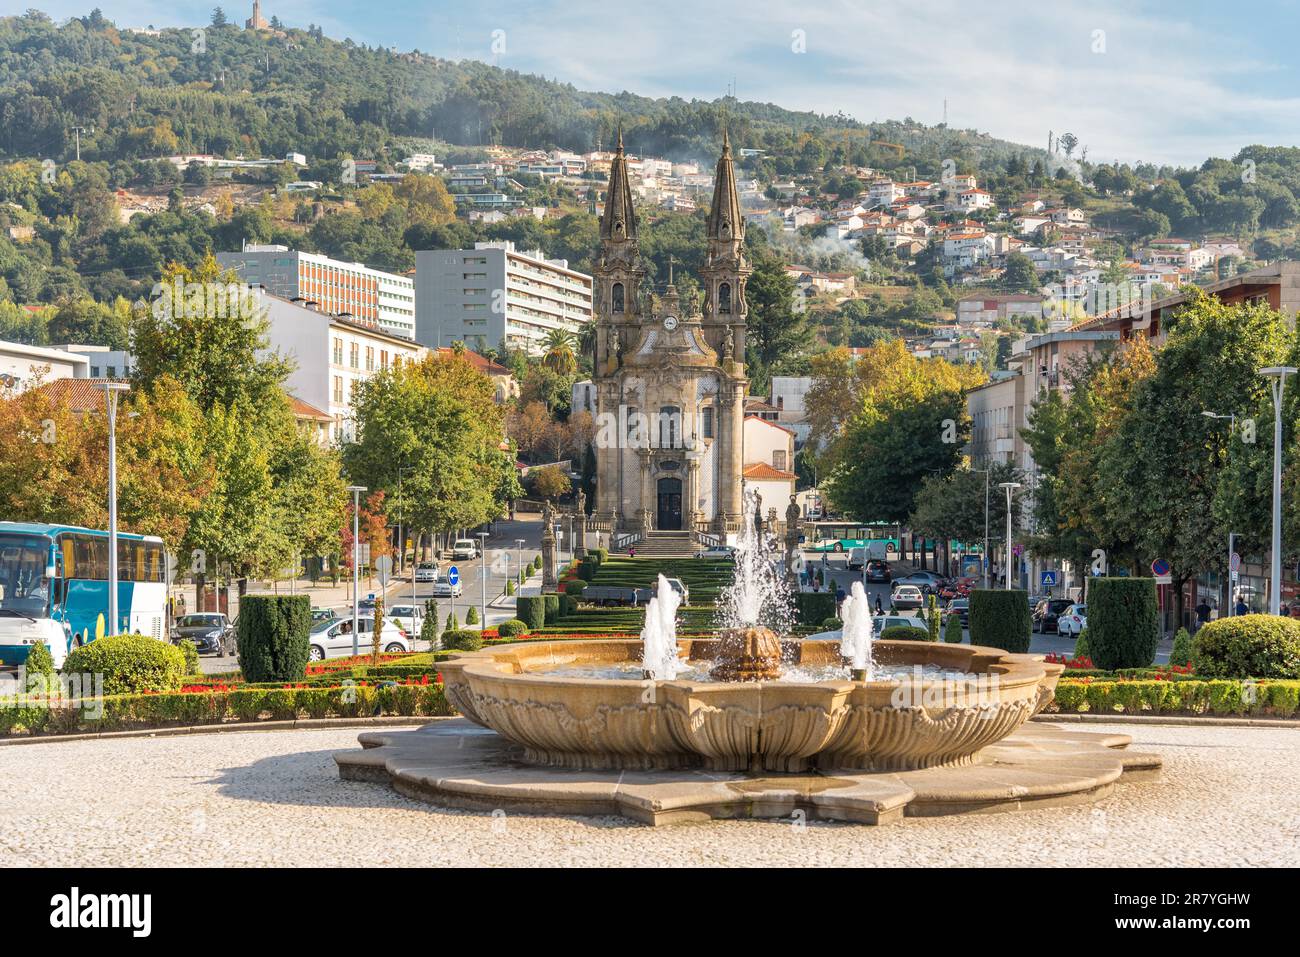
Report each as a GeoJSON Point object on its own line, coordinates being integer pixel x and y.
{"type": "Point", "coordinates": [1177, 720]}
{"type": "Point", "coordinates": [306, 724]}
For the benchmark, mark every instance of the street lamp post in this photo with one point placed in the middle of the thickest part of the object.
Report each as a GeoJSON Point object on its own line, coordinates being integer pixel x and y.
{"type": "Point", "coordinates": [111, 392]}
{"type": "Point", "coordinates": [519, 557]}
{"type": "Point", "coordinates": [356, 491]}
{"type": "Point", "coordinates": [1278, 386]}
{"type": "Point", "coordinates": [1227, 585]}
{"type": "Point", "coordinates": [1010, 487]}
{"type": "Point", "coordinates": [482, 576]}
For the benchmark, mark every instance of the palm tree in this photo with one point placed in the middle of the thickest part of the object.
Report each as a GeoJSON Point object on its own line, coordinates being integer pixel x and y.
{"type": "Point", "coordinates": [559, 352]}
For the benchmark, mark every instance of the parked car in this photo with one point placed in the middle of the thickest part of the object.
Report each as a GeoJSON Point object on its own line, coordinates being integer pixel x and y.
{"type": "Point", "coordinates": [878, 572]}
{"type": "Point", "coordinates": [961, 608]}
{"type": "Point", "coordinates": [725, 552]}
{"type": "Point", "coordinates": [1047, 613]}
{"type": "Point", "coordinates": [464, 549]}
{"type": "Point", "coordinates": [906, 597]}
{"type": "Point", "coordinates": [333, 639]}
{"type": "Point", "coordinates": [1072, 621]}
{"type": "Point", "coordinates": [445, 589]}
{"type": "Point", "coordinates": [928, 582]}
{"type": "Point", "coordinates": [211, 632]}
{"type": "Point", "coordinates": [426, 572]}
{"type": "Point", "coordinates": [896, 621]}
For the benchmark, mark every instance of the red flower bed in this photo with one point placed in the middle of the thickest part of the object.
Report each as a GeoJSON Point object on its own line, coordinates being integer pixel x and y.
{"type": "Point", "coordinates": [1058, 659]}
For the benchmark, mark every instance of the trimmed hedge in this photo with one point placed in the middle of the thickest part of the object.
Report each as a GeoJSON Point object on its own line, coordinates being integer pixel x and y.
{"type": "Point", "coordinates": [814, 607]}
{"type": "Point", "coordinates": [1277, 699]}
{"type": "Point", "coordinates": [512, 628]}
{"type": "Point", "coordinates": [952, 630]}
{"type": "Point", "coordinates": [274, 642]}
{"type": "Point", "coordinates": [575, 587]}
{"type": "Point", "coordinates": [462, 640]}
{"type": "Point", "coordinates": [531, 609]}
{"type": "Point", "coordinates": [1001, 619]}
{"type": "Point", "coordinates": [130, 664]}
{"type": "Point", "coordinates": [550, 609]}
{"type": "Point", "coordinates": [905, 633]}
{"type": "Point", "coordinates": [1123, 622]}
{"type": "Point", "coordinates": [124, 712]}
{"type": "Point", "coordinates": [1248, 646]}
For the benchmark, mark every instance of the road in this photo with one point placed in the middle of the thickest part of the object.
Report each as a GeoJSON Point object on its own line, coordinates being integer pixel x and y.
{"type": "Point", "coordinates": [477, 578]}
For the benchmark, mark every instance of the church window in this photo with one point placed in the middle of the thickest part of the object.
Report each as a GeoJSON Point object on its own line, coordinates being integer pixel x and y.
{"type": "Point", "coordinates": [670, 420]}
{"type": "Point", "coordinates": [617, 296]}
{"type": "Point", "coordinates": [724, 297]}
{"type": "Point", "coordinates": [706, 421]}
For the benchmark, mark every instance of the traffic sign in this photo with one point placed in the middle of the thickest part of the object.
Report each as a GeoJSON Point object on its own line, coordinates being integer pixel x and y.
{"type": "Point", "coordinates": [453, 575]}
{"type": "Point", "coordinates": [1234, 562]}
{"type": "Point", "coordinates": [1160, 568]}
{"type": "Point", "coordinates": [384, 569]}
{"type": "Point", "coordinates": [1049, 579]}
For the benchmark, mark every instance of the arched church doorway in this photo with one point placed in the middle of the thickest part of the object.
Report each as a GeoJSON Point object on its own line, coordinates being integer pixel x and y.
{"type": "Point", "coordinates": [670, 504]}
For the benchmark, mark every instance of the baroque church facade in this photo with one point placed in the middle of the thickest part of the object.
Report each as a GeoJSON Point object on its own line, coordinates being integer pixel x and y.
{"type": "Point", "coordinates": [669, 375]}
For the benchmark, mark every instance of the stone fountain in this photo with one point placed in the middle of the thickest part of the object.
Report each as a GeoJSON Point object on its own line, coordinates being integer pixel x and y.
{"type": "Point", "coordinates": [751, 722]}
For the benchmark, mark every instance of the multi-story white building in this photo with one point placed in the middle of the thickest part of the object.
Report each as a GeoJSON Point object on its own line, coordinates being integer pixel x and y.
{"type": "Point", "coordinates": [367, 295]}
{"type": "Point", "coordinates": [21, 365]}
{"type": "Point", "coordinates": [493, 293]}
{"type": "Point", "coordinates": [332, 355]}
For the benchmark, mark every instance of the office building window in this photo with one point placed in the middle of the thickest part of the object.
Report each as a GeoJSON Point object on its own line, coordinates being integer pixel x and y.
{"type": "Point", "coordinates": [338, 352]}
{"type": "Point", "coordinates": [355, 355]}
{"type": "Point", "coordinates": [338, 388]}
{"type": "Point", "coordinates": [370, 358]}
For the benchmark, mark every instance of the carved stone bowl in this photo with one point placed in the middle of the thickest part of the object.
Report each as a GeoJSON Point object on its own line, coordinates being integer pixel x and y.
{"type": "Point", "coordinates": [785, 726]}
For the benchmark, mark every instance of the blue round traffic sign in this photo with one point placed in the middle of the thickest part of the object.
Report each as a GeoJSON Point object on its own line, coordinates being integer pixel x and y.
{"type": "Point", "coordinates": [453, 575]}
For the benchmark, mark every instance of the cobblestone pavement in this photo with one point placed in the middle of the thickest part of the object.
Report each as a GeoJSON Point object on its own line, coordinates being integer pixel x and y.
{"type": "Point", "coordinates": [274, 798]}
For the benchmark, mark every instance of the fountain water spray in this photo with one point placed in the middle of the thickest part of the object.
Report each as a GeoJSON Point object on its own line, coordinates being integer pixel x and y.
{"type": "Point", "coordinates": [758, 594]}
{"type": "Point", "coordinates": [659, 656]}
{"type": "Point", "coordinates": [855, 637]}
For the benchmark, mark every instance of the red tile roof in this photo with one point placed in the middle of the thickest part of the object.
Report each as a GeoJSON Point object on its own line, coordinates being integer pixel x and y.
{"type": "Point", "coordinates": [762, 472]}
{"type": "Point", "coordinates": [79, 395]}
{"type": "Point", "coordinates": [481, 363]}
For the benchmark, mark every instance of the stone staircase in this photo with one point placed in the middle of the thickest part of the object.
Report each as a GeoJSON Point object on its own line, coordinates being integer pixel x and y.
{"type": "Point", "coordinates": [662, 544]}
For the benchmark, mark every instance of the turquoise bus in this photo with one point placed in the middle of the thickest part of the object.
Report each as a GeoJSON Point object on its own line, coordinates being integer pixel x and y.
{"type": "Point", "coordinates": [54, 587]}
{"type": "Point", "coordinates": [843, 536]}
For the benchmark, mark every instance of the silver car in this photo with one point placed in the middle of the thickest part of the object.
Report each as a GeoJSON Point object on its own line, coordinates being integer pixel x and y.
{"type": "Point", "coordinates": [426, 572]}
{"type": "Point", "coordinates": [333, 639]}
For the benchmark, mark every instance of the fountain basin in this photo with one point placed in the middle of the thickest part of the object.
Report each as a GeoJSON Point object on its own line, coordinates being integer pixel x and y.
{"type": "Point", "coordinates": [783, 726]}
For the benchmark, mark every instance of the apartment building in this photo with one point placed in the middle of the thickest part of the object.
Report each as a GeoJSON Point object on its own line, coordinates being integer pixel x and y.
{"type": "Point", "coordinates": [495, 293]}
{"type": "Point", "coordinates": [368, 295]}
{"type": "Point", "coordinates": [332, 356]}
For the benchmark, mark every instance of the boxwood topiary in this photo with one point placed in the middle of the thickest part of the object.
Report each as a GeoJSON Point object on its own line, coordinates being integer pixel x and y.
{"type": "Point", "coordinates": [191, 653]}
{"type": "Point", "coordinates": [1182, 652]}
{"type": "Point", "coordinates": [39, 661]}
{"type": "Point", "coordinates": [1000, 618]}
{"type": "Point", "coordinates": [575, 587]}
{"type": "Point", "coordinates": [130, 664]}
{"type": "Point", "coordinates": [550, 608]}
{"type": "Point", "coordinates": [512, 628]}
{"type": "Point", "coordinates": [462, 640]}
{"type": "Point", "coordinates": [1247, 646]}
{"type": "Point", "coordinates": [1123, 622]}
{"type": "Point", "coordinates": [273, 637]}
{"type": "Point", "coordinates": [531, 609]}
{"type": "Point", "coordinates": [832, 624]}
{"type": "Point", "coordinates": [1081, 645]}
{"type": "Point", "coordinates": [952, 630]}
{"type": "Point", "coordinates": [905, 633]}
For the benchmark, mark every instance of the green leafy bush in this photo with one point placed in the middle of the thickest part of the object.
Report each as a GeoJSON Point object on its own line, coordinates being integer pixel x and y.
{"type": "Point", "coordinates": [471, 616]}
{"type": "Point", "coordinates": [191, 654]}
{"type": "Point", "coordinates": [601, 555]}
{"type": "Point", "coordinates": [462, 640]}
{"type": "Point", "coordinates": [575, 587]}
{"type": "Point", "coordinates": [510, 586]}
{"type": "Point", "coordinates": [1248, 646]}
{"type": "Point", "coordinates": [814, 607]}
{"type": "Point", "coordinates": [932, 618]}
{"type": "Point", "coordinates": [130, 664]}
{"type": "Point", "coordinates": [1183, 651]}
{"type": "Point", "coordinates": [832, 624]}
{"type": "Point", "coordinates": [1123, 622]}
{"type": "Point", "coordinates": [1000, 618]}
{"type": "Point", "coordinates": [952, 630]}
{"type": "Point", "coordinates": [39, 661]}
{"type": "Point", "coordinates": [452, 623]}
{"type": "Point", "coordinates": [512, 628]}
{"type": "Point", "coordinates": [274, 643]}
{"type": "Point", "coordinates": [1081, 645]}
{"type": "Point", "coordinates": [905, 633]}
{"type": "Point", "coordinates": [531, 609]}
{"type": "Point", "coordinates": [429, 624]}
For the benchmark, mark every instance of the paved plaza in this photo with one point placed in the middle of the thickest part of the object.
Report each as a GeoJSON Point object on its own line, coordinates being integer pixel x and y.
{"type": "Point", "coordinates": [263, 798]}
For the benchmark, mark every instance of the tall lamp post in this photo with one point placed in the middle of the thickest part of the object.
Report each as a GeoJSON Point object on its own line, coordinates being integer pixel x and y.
{"type": "Point", "coordinates": [1010, 487]}
{"type": "Point", "coordinates": [356, 491]}
{"type": "Point", "coordinates": [1277, 386]}
{"type": "Point", "coordinates": [111, 392]}
{"type": "Point", "coordinates": [985, 556]}
{"type": "Point", "coordinates": [482, 576]}
{"type": "Point", "coordinates": [519, 556]}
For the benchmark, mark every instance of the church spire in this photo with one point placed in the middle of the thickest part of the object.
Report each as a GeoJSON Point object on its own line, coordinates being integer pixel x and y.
{"type": "Point", "coordinates": [725, 222]}
{"type": "Point", "coordinates": [619, 220]}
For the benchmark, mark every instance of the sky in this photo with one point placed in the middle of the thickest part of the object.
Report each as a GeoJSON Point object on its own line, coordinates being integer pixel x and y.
{"type": "Point", "coordinates": [1167, 82]}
